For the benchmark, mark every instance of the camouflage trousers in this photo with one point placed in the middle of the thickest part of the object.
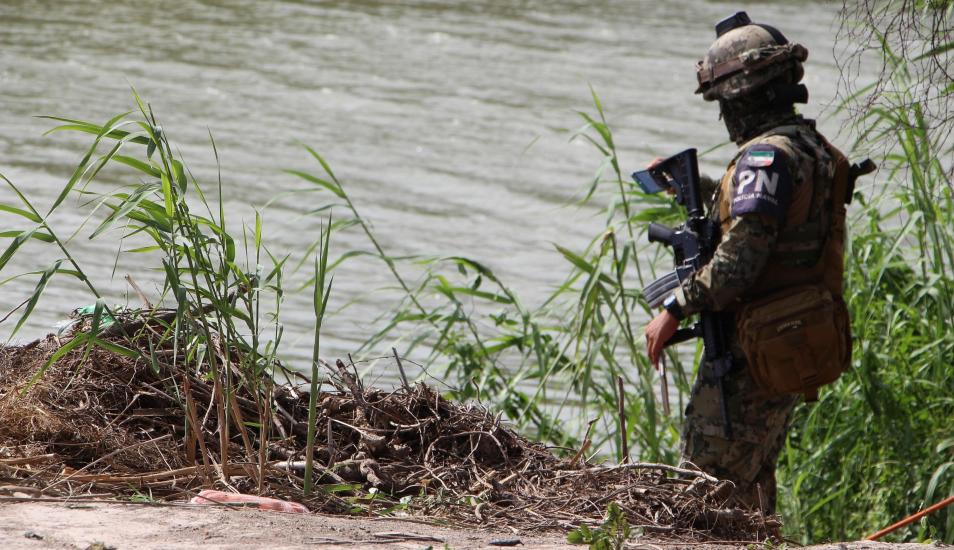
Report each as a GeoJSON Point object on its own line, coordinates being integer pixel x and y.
{"type": "Point", "coordinates": [759, 427]}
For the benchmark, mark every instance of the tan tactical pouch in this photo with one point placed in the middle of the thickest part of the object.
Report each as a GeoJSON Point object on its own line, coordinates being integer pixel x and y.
{"type": "Point", "coordinates": [796, 340]}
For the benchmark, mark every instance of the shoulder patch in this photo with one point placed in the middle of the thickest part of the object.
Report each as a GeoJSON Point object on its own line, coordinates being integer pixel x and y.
{"type": "Point", "coordinates": [760, 158]}
{"type": "Point", "coordinates": [762, 183]}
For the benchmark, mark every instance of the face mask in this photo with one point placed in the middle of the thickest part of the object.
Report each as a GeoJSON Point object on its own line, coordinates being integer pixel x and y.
{"type": "Point", "coordinates": [740, 117]}
{"type": "Point", "coordinates": [747, 116]}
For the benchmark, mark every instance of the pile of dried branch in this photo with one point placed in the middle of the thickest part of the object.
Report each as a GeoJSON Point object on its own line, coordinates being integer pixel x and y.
{"type": "Point", "coordinates": [99, 423]}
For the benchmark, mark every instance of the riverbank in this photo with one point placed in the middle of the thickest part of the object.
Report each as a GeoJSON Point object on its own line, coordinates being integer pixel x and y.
{"type": "Point", "coordinates": [35, 525]}
{"type": "Point", "coordinates": [100, 426]}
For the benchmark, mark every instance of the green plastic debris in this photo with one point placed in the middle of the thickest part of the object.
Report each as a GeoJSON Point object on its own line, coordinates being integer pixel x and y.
{"type": "Point", "coordinates": [105, 319]}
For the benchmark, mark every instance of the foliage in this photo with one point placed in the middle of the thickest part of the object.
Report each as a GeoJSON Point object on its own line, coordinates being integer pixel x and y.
{"type": "Point", "coordinates": [880, 32]}
{"type": "Point", "coordinates": [879, 445]}
{"type": "Point", "coordinates": [536, 364]}
{"type": "Point", "coordinates": [225, 302]}
{"type": "Point", "coordinates": [320, 301]}
{"type": "Point", "coordinates": [611, 535]}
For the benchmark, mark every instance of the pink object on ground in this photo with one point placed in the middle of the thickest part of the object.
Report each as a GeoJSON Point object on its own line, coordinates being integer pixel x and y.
{"type": "Point", "coordinates": [209, 496]}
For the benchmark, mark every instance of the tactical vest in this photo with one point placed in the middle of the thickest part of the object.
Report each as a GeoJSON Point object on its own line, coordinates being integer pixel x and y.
{"type": "Point", "coordinates": [811, 242]}
{"type": "Point", "coordinates": [793, 325]}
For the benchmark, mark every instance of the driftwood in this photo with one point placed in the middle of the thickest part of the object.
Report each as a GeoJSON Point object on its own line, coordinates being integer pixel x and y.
{"type": "Point", "coordinates": [101, 421]}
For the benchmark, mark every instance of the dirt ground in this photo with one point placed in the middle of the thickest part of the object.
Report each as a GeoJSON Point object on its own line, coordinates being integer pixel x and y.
{"type": "Point", "coordinates": [100, 526]}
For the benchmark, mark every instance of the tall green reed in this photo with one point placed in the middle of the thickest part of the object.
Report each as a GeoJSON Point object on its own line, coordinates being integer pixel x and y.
{"type": "Point", "coordinates": [879, 444]}
{"type": "Point", "coordinates": [320, 301]}
{"type": "Point", "coordinates": [552, 367]}
{"type": "Point", "coordinates": [218, 302]}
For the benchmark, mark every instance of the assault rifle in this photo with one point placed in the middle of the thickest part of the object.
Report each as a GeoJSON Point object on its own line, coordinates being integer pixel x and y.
{"type": "Point", "coordinates": [693, 244]}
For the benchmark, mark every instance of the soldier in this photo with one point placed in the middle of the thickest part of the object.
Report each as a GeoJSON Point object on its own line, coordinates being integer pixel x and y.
{"type": "Point", "coordinates": [781, 209]}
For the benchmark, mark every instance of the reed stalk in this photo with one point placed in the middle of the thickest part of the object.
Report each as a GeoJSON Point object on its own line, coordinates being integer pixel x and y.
{"type": "Point", "coordinates": [320, 300]}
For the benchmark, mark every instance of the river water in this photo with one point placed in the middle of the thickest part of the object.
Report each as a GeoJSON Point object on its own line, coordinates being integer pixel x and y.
{"type": "Point", "coordinates": [449, 122]}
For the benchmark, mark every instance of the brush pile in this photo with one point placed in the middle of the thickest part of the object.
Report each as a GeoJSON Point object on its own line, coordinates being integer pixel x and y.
{"type": "Point", "coordinates": [163, 425]}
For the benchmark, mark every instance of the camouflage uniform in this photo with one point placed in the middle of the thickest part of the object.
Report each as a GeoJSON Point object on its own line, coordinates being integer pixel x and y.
{"type": "Point", "coordinates": [752, 214]}
{"type": "Point", "coordinates": [775, 206]}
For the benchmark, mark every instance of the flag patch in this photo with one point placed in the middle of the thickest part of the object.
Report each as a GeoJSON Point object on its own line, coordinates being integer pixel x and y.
{"type": "Point", "coordinates": [761, 185]}
{"type": "Point", "coordinates": [760, 159]}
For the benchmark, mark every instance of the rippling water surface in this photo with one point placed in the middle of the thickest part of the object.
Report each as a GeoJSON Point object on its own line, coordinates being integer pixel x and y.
{"type": "Point", "coordinates": [449, 122]}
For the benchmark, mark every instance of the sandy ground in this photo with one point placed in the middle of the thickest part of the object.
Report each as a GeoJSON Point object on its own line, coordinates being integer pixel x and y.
{"type": "Point", "coordinates": [33, 525]}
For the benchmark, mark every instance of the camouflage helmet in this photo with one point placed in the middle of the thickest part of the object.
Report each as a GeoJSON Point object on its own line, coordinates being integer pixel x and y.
{"type": "Point", "coordinates": [745, 57]}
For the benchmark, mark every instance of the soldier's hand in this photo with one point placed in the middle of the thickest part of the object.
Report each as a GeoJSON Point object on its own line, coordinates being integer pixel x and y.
{"type": "Point", "coordinates": [658, 331]}
{"type": "Point", "coordinates": [652, 164]}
